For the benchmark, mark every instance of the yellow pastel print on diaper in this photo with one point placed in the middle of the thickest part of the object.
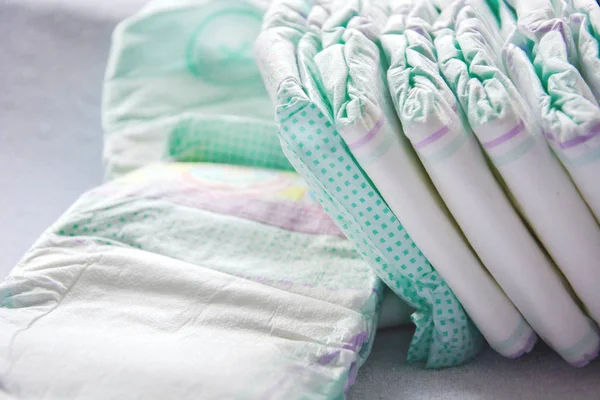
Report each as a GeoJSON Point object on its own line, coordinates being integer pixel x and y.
{"type": "Point", "coordinates": [294, 192]}
{"type": "Point", "coordinates": [236, 180]}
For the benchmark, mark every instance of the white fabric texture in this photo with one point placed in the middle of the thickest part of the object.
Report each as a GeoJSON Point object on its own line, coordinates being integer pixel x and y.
{"type": "Point", "coordinates": [132, 315]}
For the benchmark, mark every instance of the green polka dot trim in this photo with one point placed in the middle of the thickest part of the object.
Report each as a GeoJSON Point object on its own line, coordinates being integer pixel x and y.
{"type": "Point", "coordinates": [444, 334]}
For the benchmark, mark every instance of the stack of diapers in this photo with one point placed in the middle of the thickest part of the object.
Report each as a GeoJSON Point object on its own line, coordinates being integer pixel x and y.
{"type": "Point", "coordinates": [514, 144]}
{"type": "Point", "coordinates": [189, 281]}
{"type": "Point", "coordinates": [468, 125]}
{"type": "Point", "coordinates": [455, 163]}
{"type": "Point", "coordinates": [428, 112]}
{"type": "Point", "coordinates": [446, 158]}
{"type": "Point", "coordinates": [333, 162]}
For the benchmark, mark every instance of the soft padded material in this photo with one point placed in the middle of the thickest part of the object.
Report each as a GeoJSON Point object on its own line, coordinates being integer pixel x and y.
{"type": "Point", "coordinates": [74, 36]}
{"type": "Point", "coordinates": [421, 97]}
{"type": "Point", "coordinates": [444, 336]}
{"type": "Point", "coordinates": [181, 84]}
{"type": "Point", "coordinates": [511, 137]}
{"type": "Point", "coordinates": [365, 116]}
{"type": "Point", "coordinates": [585, 21]}
{"type": "Point", "coordinates": [217, 281]}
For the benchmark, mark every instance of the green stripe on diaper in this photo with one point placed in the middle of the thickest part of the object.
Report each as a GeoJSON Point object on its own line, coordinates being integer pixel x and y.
{"type": "Point", "coordinates": [447, 151]}
{"type": "Point", "coordinates": [580, 161]}
{"type": "Point", "coordinates": [515, 153]}
{"type": "Point", "coordinates": [6, 299]}
{"type": "Point", "coordinates": [380, 149]}
{"type": "Point", "coordinates": [508, 344]}
{"type": "Point", "coordinates": [581, 345]}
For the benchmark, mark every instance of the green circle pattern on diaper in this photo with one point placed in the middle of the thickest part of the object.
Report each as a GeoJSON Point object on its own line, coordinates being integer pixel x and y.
{"type": "Point", "coordinates": [220, 49]}
{"type": "Point", "coordinates": [444, 334]}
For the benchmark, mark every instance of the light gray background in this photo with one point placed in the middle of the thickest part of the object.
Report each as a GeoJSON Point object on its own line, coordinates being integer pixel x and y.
{"type": "Point", "coordinates": [52, 59]}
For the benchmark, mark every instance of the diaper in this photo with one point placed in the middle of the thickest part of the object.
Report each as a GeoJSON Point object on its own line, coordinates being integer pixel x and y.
{"type": "Point", "coordinates": [292, 57]}
{"type": "Point", "coordinates": [182, 85]}
{"type": "Point", "coordinates": [189, 281]}
{"type": "Point", "coordinates": [438, 131]}
{"type": "Point", "coordinates": [512, 140]}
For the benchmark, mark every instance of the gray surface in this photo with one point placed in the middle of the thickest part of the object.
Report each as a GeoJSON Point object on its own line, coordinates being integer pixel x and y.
{"type": "Point", "coordinates": [535, 376]}
{"type": "Point", "coordinates": [52, 59]}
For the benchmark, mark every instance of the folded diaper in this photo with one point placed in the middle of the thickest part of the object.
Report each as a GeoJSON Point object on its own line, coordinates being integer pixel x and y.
{"type": "Point", "coordinates": [434, 123]}
{"type": "Point", "coordinates": [294, 61]}
{"type": "Point", "coordinates": [512, 140]}
{"type": "Point", "coordinates": [189, 281]}
{"type": "Point", "coordinates": [182, 84]}
{"type": "Point", "coordinates": [542, 61]}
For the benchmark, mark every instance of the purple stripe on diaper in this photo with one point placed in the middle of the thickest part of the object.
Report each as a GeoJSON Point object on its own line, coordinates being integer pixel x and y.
{"type": "Point", "coordinates": [356, 341]}
{"type": "Point", "coordinates": [420, 31]}
{"type": "Point", "coordinates": [501, 139]}
{"type": "Point", "coordinates": [355, 345]}
{"type": "Point", "coordinates": [267, 208]}
{"type": "Point", "coordinates": [300, 372]}
{"type": "Point", "coordinates": [576, 18]}
{"type": "Point", "coordinates": [368, 137]}
{"type": "Point", "coordinates": [327, 358]}
{"type": "Point", "coordinates": [351, 376]}
{"type": "Point", "coordinates": [545, 28]}
{"type": "Point", "coordinates": [435, 136]}
{"type": "Point", "coordinates": [575, 141]}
